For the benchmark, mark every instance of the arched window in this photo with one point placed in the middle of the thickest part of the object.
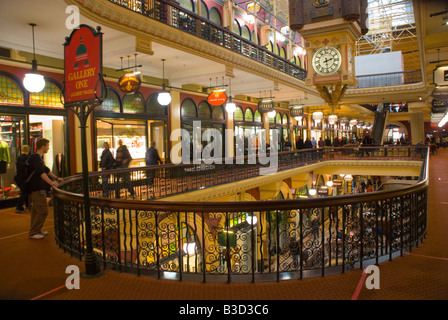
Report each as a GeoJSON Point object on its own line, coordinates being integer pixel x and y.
{"type": "Point", "coordinates": [269, 46]}
{"type": "Point", "coordinates": [257, 116]}
{"type": "Point", "coordinates": [255, 39]}
{"type": "Point", "coordinates": [50, 96]}
{"type": "Point", "coordinates": [187, 4]}
{"type": "Point", "coordinates": [278, 118]}
{"type": "Point", "coordinates": [154, 108]}
{"type": "Point", "coordinates": [10, 92]}
{"type": "Point", "coordinates": [112, 101]}
{"type": "Point", "coordinates": [134, 103]}
{"type": "Point", "coordinates": [285, 119]}
{"type": "Point", "coordinates": [245, 32]}
{"type": "Point", "coordinates": [236, 27]}
{"type": "Point", "coordinates": [215, 16]}
{"type": "Point", "coordinates": [248, 115]}
{"type": "Point", "coordinates": [204, 10]}
{"type": "Point", "coordinates": [283, 53]}
{"type": "Point", "coordinates": [188, 109]}
{"type": "Point", "coordinates": [238, 115]}
{"type": "Point", "coordinates": [204, 111]}
{"type": "Point", "coordinates": [218, 113]}
{"type": "Point", "coordinates": [277, 49]}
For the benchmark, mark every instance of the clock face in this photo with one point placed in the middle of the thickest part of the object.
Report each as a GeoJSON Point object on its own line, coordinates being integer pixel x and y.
{"type": "Point", "coordinates": [326, 61]}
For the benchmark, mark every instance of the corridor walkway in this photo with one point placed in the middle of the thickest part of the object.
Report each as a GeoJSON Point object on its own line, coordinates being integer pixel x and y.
{"type": "Point", "coordinates": [35, 269]}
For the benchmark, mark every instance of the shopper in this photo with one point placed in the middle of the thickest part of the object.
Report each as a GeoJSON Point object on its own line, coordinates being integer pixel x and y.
{"type": "Point", "coordinates": [122, 160]}
{"type": "Point", "coordinates": [107, 162]}
{"type": "Point", "coordinates": [287, 146]}
{"type": "Point", "coordinates": [152, 159]}
{"type": "Point", "coordinates": [38, 185]}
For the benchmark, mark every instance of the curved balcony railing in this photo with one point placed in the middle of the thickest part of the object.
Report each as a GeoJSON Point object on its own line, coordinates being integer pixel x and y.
{"type": "Point", "coordinates": [182, 19]}
{"type": "Point", "coordinates": [248, 240]}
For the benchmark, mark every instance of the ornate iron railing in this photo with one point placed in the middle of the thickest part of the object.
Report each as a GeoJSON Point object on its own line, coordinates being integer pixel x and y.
{"type": "Point", "coordinates": [221, 240]}
{"type": "Point", "coordinates": [180, 18]}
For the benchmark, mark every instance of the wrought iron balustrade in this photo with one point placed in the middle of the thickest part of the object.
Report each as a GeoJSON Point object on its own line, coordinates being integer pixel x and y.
{"type": "Point", "coordinates": [249, 240]}
{"type": "Point", "coordinates": [180, 18]}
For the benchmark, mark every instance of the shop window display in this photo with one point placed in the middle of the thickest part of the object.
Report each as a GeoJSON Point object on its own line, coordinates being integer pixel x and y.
{"type": "Point", "coordinates": [11, 139]}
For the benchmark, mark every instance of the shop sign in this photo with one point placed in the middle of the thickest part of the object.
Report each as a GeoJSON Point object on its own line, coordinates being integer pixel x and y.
{"type": "Point", "coordinates": [83, 52]}
{"type": "Point", "coordinates": [440, 93]}
{"type": "Point", "coordinates": [441, 76]}
{"type": "Point", "coordinates": [438, 106]}
{"type": "Point", "coordinates": [217, 98]}
{"type": "Point", "coordinates": [129, 83]}
{"type": "Point", "coordinates": [265, 106]}
{"type": "Point", "coordinates": [296, 112]}
{"type": "Point", "coordinates": [337, 183]}
{"type": "Point", "coordinates": [322, 191]}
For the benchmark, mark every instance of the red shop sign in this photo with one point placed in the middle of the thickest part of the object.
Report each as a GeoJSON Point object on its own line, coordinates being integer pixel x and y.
{"type": "Point", "coordinates": [83, 61]}
{"type": "Point", "coordinates": [129, 83]}
{"type": "Point", "coordinates": [217, 98]}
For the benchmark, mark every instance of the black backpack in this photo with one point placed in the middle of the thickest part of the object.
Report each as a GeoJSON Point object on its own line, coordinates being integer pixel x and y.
{"type": "Point", "coordinates": [24, 173]}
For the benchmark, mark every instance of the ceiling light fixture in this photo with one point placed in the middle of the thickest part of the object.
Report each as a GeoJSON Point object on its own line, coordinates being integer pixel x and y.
{"type": "Point", "coordinates": [230, 105]}
{"type": "Point", "coordinates": [34, 82]}
{"type": "Point", "coordinates": [164, 97]}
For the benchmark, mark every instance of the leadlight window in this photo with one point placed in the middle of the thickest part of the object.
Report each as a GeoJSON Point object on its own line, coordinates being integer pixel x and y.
{"type": "Point", "coordinates": [10, 92]}
{"type": "Point", "coordinates": [134, 103]}
{"type": "Point", "coordinates": [50, 96]}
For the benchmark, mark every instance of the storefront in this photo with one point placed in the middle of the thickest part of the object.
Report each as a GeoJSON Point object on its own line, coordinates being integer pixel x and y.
{"type": "Point", "coordinates": [135, 121]}
{"type": "Point", "coordinates": [279, 125]}
{"type": "Point", "coordinates": [205, 117]}
{"type": "Point", "coordinates": [248, 125]}
{"type": "Point", "coordinates": [24, 119]}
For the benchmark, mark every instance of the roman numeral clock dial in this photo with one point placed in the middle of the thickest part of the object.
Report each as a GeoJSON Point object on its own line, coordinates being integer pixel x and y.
{"type": "Point", "coordinates": [326, 61]}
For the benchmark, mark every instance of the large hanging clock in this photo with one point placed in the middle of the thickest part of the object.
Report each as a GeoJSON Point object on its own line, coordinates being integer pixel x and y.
{"type": "Point", "coordinates": [326, 61]}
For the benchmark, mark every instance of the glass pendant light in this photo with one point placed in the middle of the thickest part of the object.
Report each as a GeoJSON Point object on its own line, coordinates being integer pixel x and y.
{"type": "Point", "coordinates": [164, 97]}
{"type": "Point", "coordinates": [34, 82]}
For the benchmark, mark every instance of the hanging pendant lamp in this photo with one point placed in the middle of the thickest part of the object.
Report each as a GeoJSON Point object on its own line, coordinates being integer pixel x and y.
{"type": "Point", "coordinates": [164, 97]}
{"type": "Point", "coordinates": [33, 81]}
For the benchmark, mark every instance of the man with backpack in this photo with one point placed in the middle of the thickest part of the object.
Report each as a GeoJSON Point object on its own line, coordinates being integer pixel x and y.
{"type": "Point", "coordinates": [39, 181]}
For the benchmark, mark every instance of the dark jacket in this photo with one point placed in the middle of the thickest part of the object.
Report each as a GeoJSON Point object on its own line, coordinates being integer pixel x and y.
{"type": "Point", "coordinates": [308, 144]}
{"type": "Point", "coordinates": [152, 157]}
{"type": "Point", "coordinates": [107, 160]}
{"type": "Point", "coordinates": [37, 166]}
{"type": "Point", "coordinates": [20, 178]}
{"type": "Point", "coordinates": [123, 157]}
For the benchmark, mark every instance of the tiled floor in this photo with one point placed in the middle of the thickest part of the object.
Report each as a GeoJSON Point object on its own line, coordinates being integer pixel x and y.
{"type": "Point", "coordinates": [36, 269]}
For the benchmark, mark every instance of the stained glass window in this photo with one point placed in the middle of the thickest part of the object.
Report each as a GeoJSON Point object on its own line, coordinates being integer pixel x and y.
{"type": "Point", "coordinates": [285, 119]}
{"type": "Point", "coordinates": [204, 111]}
{"type": "Point", "coordinates": [10, 92]}
{"type": "Point", "coordinates": [215, 16]}
{"type": "Point", "coordinates": [112, 102]}
{"type": "Point", "coordinates": [257, 116]}
{"type": "Point", "coordinates": [238, 115]}
{"type": "Point", "coordinates": [154, 108]}
{"type": "Point", "coordinates": [245, 32]}
{"type": "Point", "coordinates": [204, 10]}
{"type": "Point", "coordinates": [49, 97]}
{"type": "Point", "coordinates": [188, 109]}
{"type": "Point", "coordinates": [278, 118]}
{"type": "Point", "coordinates": [134, 103]}
{"type": "Point", "coordinates": [218, 113]}
{"type": "Point", "coordinates": [248, 115]}
{"type": "Point", "coordinates": [187, 4]}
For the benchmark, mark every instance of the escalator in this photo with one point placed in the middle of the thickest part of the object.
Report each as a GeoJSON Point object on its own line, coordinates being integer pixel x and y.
{"type": "Point", "coordinates": [379, 125]}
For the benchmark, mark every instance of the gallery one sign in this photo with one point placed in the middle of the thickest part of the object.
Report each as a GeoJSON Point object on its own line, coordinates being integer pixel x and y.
{"type": "Point", "coordinates": [83, 63]}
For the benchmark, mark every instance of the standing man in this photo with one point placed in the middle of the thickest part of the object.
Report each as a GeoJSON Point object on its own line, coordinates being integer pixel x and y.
{"type": "Point", "coordinates": [152, 159]}
{"type": "Point", "coordinates": [107, 163]}
{"type": "Point", "coordinates": [122, 160]}
{"type": "Point", "coordinates": [38, 185]}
